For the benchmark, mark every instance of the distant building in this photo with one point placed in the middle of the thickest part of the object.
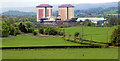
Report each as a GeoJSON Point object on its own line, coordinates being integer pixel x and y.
{"type": "Point", "coordinates": [93, 20]}
{"type": "Point", "coordinates": [43, 11]}
{"type": "Point", "coordinates": [66, 11]}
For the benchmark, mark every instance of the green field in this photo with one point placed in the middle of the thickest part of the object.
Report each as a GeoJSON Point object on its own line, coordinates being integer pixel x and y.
{"type": "Point", "coordinates": [20, 41]}
{"type": "Point", "coordinates": [98, 34]}
{"type": "Point", "coordinates": [92, 33]}
{"type": "Point", "coordinates": [73, 53]}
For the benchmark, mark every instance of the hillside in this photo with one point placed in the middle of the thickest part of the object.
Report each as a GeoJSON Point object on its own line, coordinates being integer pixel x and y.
{"type": "Point", "coordinates": [19, 13]}
{"type": "Point", "coordinates": [97, 11]}
{"type": "Point", "coordinates": [32, 8]}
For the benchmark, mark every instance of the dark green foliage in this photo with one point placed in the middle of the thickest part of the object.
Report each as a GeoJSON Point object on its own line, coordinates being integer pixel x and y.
{"type": "Point", "coordinates": [115, 37]}
{"type": "Point", "coordinates": [76, 34]}
{"type": "Point", "coordinates": [9, 29]}
{"type": "Point", "coordinates": [34, 33]}
{"type": "Point", "coordinates": [26, 27]}
{"type": "Point", "coordinates": [41, 30]}
{"type": "Point", "coordinates": [23, 27]}
{"type": "Point", "coordinates": [87, 22]}
{"type": "Point", "coordinates": [13, 31]}
{"type": "Point", "coordinates": [114, 21]}
{"type": "Point", "coordinates": [5, 29]}
{"type": "Point", "coordinates": [17, 31]}
{"type": "Point", "coordinates": [30, 30]}
{"type": "Point", "coordinates": [51, 31]}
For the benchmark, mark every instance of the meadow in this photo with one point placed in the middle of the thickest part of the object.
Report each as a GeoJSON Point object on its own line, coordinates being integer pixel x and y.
{"type": "Point", "coordinates": [69, 53]}
{"type": "Point", "coordinates": [100, 34]}
{"type": "Point", "coordinates": [30, 40]}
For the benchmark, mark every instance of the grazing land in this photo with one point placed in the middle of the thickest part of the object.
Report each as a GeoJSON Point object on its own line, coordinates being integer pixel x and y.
{"type": "Point", "coordinates": [69, 53]}
{"type": "Point", "coordinates": [21, 41]}
{"type": "Point", "coordinates": [100, 34]}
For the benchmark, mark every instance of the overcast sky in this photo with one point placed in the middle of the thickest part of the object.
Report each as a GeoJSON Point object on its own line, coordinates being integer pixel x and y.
{"type": "Point", "coordinates": [29, 3]}
{"type": "Point", "coordinates": [62, 1]}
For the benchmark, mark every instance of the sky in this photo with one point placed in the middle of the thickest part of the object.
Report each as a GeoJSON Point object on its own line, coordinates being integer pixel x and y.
{"type": "Point", "coordinates": [61, 1]}
{"type": "Point", "coordinates": [27, 3]}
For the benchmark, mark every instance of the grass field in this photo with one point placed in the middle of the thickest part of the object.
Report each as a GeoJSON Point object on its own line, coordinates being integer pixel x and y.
{"type": "Point", "coordinates": [19, 41]}
{"type": "Point", "coordinates": [98, 34]}
{"type": "Point", "coordinates": [92, 33]}
{"type": "Point", "coordinates": [73, 53]}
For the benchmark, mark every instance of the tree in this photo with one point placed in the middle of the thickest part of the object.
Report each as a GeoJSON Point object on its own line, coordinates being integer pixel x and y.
{"type": "Point", "coordinates": [5, 29]}
{"type": "Point", "coordinates": [115, 37]}
{"type": "Point", "coordinates": [23, 27]}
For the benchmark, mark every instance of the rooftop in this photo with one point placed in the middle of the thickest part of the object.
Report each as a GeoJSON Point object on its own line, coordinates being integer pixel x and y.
{"type": "Point", "coordinates": [66, 5]}
{"type": "Point", "coordinates": [44, 5]}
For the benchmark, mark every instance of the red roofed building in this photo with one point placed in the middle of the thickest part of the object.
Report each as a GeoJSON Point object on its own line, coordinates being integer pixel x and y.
{"type": "Point", "coordinates": [43, 11]}
{"type": "Point", "coordinates": [66, 11]}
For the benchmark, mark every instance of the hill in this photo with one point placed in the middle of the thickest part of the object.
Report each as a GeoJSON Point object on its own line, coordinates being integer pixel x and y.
{"type": "Point", "coordinates": [19, 13]}
{"type": "Point", "coordinates": [86, 6]}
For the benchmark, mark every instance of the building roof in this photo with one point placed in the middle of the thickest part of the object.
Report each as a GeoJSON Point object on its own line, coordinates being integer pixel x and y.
{"type": "Point", "coordinates": [92, 19]}
{"type": "Point", "coordinates": [44, 5]}
{"type": "Point", "coordinates": [66, 5]}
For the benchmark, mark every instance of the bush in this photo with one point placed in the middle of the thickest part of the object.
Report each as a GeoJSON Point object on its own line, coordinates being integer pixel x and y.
{"type": "Point", "coordinates": [23, 27]}
{"type": "Point", "coordinates": [30, 30]}
{"type": "Point", "coordinates": [34, 33]}
{"type": "Point", "coordinates": [76, 34]}
{"type": "Point", "coordinates": [115, 37]}
{"type": "Point", "coordinates": [51, 31]}
{"type": "Point", "coordinates": [26, 27]}
{"type": "Point", "coordinates": [41, 31]}
{"type": "Point", "coordinates": [17, 31]}
{"type": "Point", "coordinates": [13, 31]}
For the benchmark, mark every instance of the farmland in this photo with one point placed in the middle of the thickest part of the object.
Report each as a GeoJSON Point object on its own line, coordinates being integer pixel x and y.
{"type": "Point", "coordinates": [98, 34]}
{"type": "Point", "coordinates": [72, 53]}
{"type": "Point", "coordinates": [20, 41]}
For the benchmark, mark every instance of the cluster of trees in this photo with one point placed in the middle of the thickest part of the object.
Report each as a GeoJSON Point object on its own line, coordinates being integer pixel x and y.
{"type": "Point", "coordinates": [95, 12]}
{"type": "Point", "coordinates": [87, 22]}
{"type": "Point", "coordinates": [51, 30]}
{"type": "Point", "coordinates": [12, 26]}
{"type": "Point", "coordinates": [19, 18]}
{"type": "Point", "coordinates": [9, 29]}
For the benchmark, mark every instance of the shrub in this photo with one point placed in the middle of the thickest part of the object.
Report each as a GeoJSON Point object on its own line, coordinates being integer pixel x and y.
{"type": "Point", "coordinates": [51, 31]}
{"type": "Point", "coordinates": [26, 27]}
{"type": "Point", "coordinates": [76, 34]}
{"type": "Point", "coordinates": [34, 33]}
{"type": "Point", "coordinates": [115, 37]}
{"type": "Point", "coordinates": [17, 31]}
{"type": "Point", "coordinates": [30, 30]}
{"type": "Point", "coordinates": [23, 27]}
{"type": "Point", "coordinates": [13, 31]}
{"type": "Point", "coordinates": [41, 30]}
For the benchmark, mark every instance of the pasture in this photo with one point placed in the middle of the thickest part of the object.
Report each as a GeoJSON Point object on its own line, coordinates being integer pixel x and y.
{"type": "Point", "coordinates": [100, 34]}
{"type": "Point", "coordinates": [21, 41]}
{"type": "Point", "coordinates": [69, 53]}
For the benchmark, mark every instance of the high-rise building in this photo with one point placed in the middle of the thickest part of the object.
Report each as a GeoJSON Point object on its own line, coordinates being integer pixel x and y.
{"type": "Point", "coordinates": [43, 11]}
{"type": "Point", "coordinates": [66, 11]}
